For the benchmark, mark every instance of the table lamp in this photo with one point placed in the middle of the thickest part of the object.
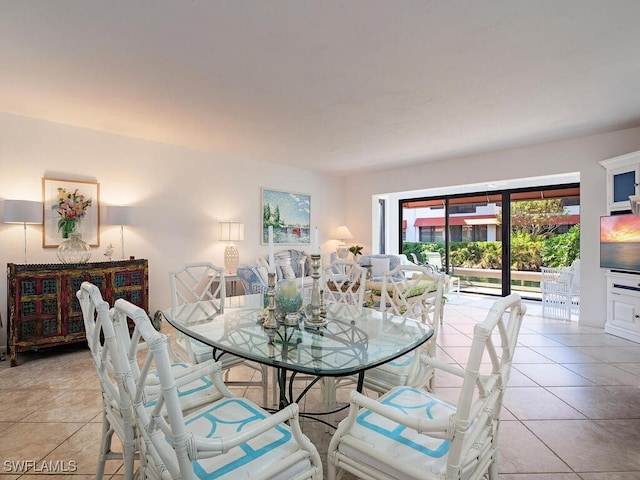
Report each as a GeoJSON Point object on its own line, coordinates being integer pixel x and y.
{"type": "Point", "coordinates": [121, 215]}
{"type": "Point", "coordinates": [343, 233]}
{"type": "Point", "coordinates": [23, 211]}
{"type": "Point", "coordinates": [231, 232]}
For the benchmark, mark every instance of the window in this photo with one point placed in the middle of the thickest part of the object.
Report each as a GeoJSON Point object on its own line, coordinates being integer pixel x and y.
{"type": "Point", "coordinates": [431, 234]}
{"type": "Point", "coordinates": [468, 233]}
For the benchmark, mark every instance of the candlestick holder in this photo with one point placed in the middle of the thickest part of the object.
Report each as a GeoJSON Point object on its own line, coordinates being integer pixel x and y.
{"type": "Point", "coordinates": [315, 319]}
{"type": "Point", "coordinates": [270, 322]}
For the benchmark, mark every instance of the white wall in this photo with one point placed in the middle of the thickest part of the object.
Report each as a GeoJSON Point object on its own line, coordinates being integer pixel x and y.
{"type": "Point", "coordinates": [180, 195]}
{"type": "Point", "coordinates": [576, 155]}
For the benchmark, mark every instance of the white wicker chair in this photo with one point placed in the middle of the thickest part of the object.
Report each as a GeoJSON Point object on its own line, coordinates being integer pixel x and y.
{"type": "Point", "coordinates": [117, 413]}
{"type": "Point", "coordinates": [412, 434]}
{"type": "Point", "coordinates": [560, 291]}
{"type": "Point", "coordinates": [229, 438]}
{"type": "Point", "coordinates": [194, 380]}
{"type": "Point", "coordinates": [413, 291]}
{"type": "Point", "coordinates": [198, 282]}
{"type": "Point", "coordinates": [434, 260]}
{"type": "Point", "coordinates": [344, 281]}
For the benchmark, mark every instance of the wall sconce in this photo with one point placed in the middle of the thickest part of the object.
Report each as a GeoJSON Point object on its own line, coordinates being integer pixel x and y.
{"type": "Point", "coordinates": [343, 233]}
{"type": "Point", "coordinates": [23, 211]}
{"type": "Point", "coordinates": [231, 232]}
{"type": "Point", "coordinates": [634, 201]}
{"type": "Point", "coordinates": [121, 215]}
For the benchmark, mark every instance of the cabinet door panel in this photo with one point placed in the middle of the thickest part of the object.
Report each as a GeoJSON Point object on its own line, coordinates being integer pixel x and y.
{"type": "Point", "coordinates": [625, 311]}
{"type": "Point", "coordinates": [624, 185]}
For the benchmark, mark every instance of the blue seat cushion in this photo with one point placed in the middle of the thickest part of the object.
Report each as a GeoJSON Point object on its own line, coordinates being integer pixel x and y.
{"type": "Point", "coordinates": [231, 415]}
{"type": "Point", "coordinates": [405, 445]}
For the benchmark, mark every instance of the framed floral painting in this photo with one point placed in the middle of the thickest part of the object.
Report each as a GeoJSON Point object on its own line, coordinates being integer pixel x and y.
{"type": "Point", "coordinates": [289, 215]}
{"type": "Point", "coordinates": [70, 206]}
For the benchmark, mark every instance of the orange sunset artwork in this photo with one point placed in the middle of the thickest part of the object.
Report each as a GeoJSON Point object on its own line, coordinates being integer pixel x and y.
{"type": "Point", "coordinates": [620, 228]}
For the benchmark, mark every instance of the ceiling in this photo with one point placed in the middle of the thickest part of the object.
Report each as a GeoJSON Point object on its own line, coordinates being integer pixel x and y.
{"type": "Point", "coordinates": [329, 85]}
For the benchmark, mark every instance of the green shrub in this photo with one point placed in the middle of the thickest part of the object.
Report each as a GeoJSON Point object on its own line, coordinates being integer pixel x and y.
{"type": "Point", "coordinates": [528, 252]}
{"type": "Point", "coordinates": [561, 250]}
{"type": "Point", "coordinates": [525, 251]}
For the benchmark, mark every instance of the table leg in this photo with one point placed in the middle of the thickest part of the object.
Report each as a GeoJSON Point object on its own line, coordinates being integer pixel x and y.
{"type": "Point", "coordinates": [282, 387]}
{"type": "Point", "coordinates": [360, 384]}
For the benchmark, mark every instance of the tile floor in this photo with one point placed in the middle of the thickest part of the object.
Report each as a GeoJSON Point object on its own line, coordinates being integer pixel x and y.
{"type": "Point", "coordinates": [572, 409]}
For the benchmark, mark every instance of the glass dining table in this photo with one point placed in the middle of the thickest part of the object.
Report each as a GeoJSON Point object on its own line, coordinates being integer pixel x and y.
{"type": "Point", "coordinates": [352, 341]}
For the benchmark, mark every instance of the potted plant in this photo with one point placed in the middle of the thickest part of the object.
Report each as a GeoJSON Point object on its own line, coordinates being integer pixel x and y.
{"type": "Point", "coordinates": [356, 250]}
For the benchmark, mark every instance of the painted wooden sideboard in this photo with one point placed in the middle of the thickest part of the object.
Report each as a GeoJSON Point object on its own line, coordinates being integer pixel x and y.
{"type": "Point", "coordinates": [43, 310]}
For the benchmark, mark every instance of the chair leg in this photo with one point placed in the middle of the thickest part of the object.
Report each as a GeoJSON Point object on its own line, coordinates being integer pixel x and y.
{"type": "Point", "coordinates": [493, 470]}
{"type": "Point", "coordinates": [105, 446]}
{"type": "Point", "coordinates": [264, 371]}
{"type": "Point", "coordinates": [274, 378]}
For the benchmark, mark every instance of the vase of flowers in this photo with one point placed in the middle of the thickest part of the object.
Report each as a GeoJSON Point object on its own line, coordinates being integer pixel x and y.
{"type": "Point", "coordinates": [72, 208]}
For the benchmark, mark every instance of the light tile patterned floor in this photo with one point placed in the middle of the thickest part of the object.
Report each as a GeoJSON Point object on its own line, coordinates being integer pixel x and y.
{"type": "Point", "coordinates": [572, 409]}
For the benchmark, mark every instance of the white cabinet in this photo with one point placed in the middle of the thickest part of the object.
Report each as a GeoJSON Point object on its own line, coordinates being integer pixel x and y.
{"type": "Point", "coordinates": [623, 178]}
{"type": "Point", "coordinates": [623, 305]}
{"type": "Point", "coordinates": [623, 289]}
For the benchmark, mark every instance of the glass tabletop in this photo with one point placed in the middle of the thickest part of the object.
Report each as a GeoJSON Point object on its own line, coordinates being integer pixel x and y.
{"type": "Point", "coordinates": [352, 341]}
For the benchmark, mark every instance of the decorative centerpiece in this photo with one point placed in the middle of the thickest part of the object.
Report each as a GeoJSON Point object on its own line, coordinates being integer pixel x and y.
{"type": "Point", "coordinates": [72, 208]}
{"type": "Point", "coordinates": [289, 301]}
{"type": "Point", "coordinates": [315, 318]}
{"type": "Point", "coordinates": [270, 321]}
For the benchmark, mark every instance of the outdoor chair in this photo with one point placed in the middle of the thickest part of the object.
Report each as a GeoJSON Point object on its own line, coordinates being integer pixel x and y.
{"type": "Point", "coordinates": [409, 433]}
{"type": "Point", "coordinates": [560, 291]}
{"type": "Point", "coordinates": [229, 438]}
{"type": "Point", "coordinates": [434, 260]}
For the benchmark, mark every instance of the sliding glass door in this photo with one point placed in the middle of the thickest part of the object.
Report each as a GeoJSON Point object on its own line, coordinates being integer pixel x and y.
{"type": "Point", "coordinates": [545, 228]}
{"type": "Point", "coordinates": [495, 242]}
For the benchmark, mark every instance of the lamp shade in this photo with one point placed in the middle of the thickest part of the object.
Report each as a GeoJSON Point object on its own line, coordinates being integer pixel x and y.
{"type": "Point", "coordinates": [22, 211]}
{"type": "Point", "coordinates": [121, 215]}
{"type": "Point", "coordinates": [231, 231]}
{"type": "Point", "coordinates": [343, 233]}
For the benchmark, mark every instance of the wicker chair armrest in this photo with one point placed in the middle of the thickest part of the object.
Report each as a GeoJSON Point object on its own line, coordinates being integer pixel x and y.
{"type": "Point", "coordinates": [440, 365]}
{"type": "Point", "coordinates": [208, 447]}
{"type": "Point", "coordinates": [439, 428]}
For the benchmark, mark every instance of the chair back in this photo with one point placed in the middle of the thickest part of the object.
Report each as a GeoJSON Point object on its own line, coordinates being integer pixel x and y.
{"type": "Point", "coordinates": [435, 259]}
{"type": "Point", "coordinates": [197, 282]}
{"type": "Point", "coordinates": [560, 289]}
{"type": "Point", "coordinates": [486, 376]}
{"type": "Point", "coordinates": [575, 278]}
{"type": "Point", "coordinates": [191, 285]}
{"type": "Point", "coordinates": [111, 368]}
{"type": "Point", "coordinates": [413, 291]}
{"type": "Point", "coordinates": [156, 359]}
{"type": "Point", "coordinates": [344, 281]}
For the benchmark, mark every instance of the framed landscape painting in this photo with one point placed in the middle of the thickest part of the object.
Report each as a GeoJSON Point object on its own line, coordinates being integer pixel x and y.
{"type": "Point", "coordinates": [70, 204]}
{"type": "Point", "coordinates": [289, 214]}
